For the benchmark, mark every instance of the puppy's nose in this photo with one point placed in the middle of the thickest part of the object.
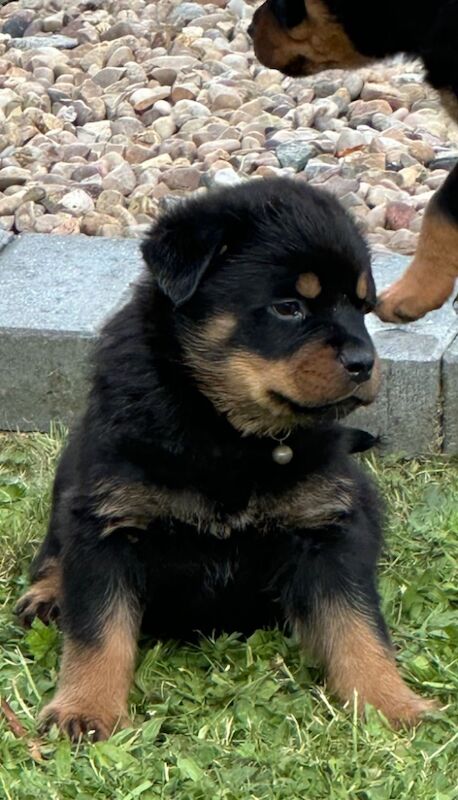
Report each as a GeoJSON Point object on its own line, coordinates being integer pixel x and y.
{"type": "Point", "coordinates": [358, 361]}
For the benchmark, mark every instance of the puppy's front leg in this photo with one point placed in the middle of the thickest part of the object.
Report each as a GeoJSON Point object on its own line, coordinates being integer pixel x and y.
{"type": "Point", "coordinates": [101, 620]}
{"type": "Point", "coordinates": [430, 278]}
{"type": "Point", "coordinates": [334, 608]}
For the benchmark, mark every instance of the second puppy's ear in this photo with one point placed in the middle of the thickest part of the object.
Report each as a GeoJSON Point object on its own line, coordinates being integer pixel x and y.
{"type": "Point", "coordinates": [180, 248]}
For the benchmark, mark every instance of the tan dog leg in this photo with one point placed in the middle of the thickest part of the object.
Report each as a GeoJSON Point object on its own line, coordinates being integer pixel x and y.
{"type": "Point", "coordinates": [430, 278]}
{"type": "Point", "coordinates": [356, 660]}
{"type": "Point", "coordinates": [94, 681]}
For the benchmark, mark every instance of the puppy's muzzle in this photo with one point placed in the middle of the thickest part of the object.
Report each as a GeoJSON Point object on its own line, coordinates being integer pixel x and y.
{"type": "Point", "coordinates": [358, 361]}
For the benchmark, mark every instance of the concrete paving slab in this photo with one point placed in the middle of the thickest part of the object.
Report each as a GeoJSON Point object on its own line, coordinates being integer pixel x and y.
{"type": "Point", "coordinates": [57, 291]}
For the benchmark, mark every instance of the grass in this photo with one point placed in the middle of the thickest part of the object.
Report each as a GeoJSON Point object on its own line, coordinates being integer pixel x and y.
{"type": "Point", "coordinates": [239, 719]}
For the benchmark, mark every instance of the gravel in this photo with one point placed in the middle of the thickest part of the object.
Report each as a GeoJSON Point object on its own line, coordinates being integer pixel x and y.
{"type": "Point", "coordinates": [110, 110]}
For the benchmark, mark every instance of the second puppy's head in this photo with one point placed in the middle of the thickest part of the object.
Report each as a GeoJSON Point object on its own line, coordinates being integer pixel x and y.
{"type": "Point", "coordinates": [267, 285]}
{"type": "Point", "coordinates": [303, 37]}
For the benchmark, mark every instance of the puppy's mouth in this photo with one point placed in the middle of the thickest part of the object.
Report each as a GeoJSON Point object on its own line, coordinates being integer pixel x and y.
{"type": "Point", "coordinates": [301, 67]}
{"type": "Point", "coordinates": [333, 409]}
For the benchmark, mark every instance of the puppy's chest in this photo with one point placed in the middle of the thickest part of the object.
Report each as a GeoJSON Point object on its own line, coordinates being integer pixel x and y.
{"type": "Point", "coordinates": [312, 503]}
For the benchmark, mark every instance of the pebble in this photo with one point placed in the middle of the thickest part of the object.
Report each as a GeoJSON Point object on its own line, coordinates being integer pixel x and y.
{"type": "Point", "coordinates": [13, 176]}
{"type": "Point", "coordinates": [350, 140]}
{"type": "Point", "coordinates": [182, 178]}
{"type": "Point", "coordinates": [18, 23]}
{"type": "Point", "coordinates": [399, 215]}
{"type": "Point", "coordinates": [143, 99]}
{"type": "Point", "coordinates": [222, 97]}
{"type": "Point", "coordinates": [40, 42]}
{"type": "Point", "coordinates": [77, 203]}
{"type": "Point", "coordinates": [295, 154]}
{"type": "Point", "coordinates": [108, 76]}
{"type": "Point", "coordinates": [185, 110]}
{"type": "Point", "coordinates": [122, 178]}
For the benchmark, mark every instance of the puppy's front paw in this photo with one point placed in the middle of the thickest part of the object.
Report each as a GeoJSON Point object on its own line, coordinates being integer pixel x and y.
{"type": "Point", "coordinates": [41, 602]}
{"type": "Point", "coordinates": [408, 710]}
{"type": "Point", "coordinates": [408, 299]}
{"type": "Point", "coordinates": [74, 720]}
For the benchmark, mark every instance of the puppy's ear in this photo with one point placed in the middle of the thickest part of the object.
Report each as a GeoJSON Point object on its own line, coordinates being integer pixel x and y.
{"type": "Point", "coordinates": [180, 249]}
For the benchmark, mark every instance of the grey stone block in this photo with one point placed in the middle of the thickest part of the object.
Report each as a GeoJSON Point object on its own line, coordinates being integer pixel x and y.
{"type": "Point", "coordinates": [407, 414]}
{"type": "Point", "coordinates": [56, 293]}
{"type": "Point", "coordinates": [450, 405]}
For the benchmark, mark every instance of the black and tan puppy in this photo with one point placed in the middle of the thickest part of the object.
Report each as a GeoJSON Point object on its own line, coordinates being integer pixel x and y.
{"type": "Point", "coordinates": [209, 485]}
{"type": "Point", "coordinates": [302, 37]}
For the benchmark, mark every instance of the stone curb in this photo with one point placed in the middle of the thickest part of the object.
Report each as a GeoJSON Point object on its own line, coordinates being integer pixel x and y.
{"type": "Point", "coordinates": [417, 406]}
{"type": "Point", "coordinates": [57, 291]}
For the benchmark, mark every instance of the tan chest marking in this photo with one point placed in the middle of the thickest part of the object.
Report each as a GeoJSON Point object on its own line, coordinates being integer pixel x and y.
{"type": "Point", "coordinates": [314, 503]}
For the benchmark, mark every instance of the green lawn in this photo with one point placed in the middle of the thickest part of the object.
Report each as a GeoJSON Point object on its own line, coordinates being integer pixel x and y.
{"type": "Point", "coordinates": [242, 719]}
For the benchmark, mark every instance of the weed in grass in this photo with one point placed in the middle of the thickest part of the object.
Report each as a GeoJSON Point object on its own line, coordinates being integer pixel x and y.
{"type": "Point", "coordinates": [235, 719]}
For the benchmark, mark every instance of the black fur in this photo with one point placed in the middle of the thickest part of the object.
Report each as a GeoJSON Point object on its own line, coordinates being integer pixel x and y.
{"type": "Point", "coordinates": [149, 423]}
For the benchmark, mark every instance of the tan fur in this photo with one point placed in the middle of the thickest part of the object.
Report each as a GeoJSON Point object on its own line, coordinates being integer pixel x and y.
{"type": "Point", "coordinates": [218, 329]}
{"type": "Point", "coordinates": [43, 595]}
{"type": "Point", "coordinates": [308, 285]}
{"type": "Point", "coordinates": [313, 503]}
{"type": "Point", "coordinates": [320, 39]}
{"type": "Point", "coordinates": [242, 384]}
{"type": "Point", "coordinates": [362, 286]}
{"type": "Point", "coordinates": [450, 103]}
{"type": "Point", "coordinates": [356, 660]}
{"type": "Point", "coordinates": [94, 680]}
{"type": "Point", "coordinates": [430, 278]}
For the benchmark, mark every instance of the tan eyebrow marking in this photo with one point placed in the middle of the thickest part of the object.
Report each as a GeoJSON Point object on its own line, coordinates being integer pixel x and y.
{"type": "Point", "coordinates": [308, 285]}
{"type": "Point", "coordinates": [361, 286]}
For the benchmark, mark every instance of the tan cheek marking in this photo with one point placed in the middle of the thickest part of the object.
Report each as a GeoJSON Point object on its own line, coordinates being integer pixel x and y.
{"type": "Point", "coordinates": [362, 287]}
{"type": "Point", "coordinates": [219, 328]}
{"type": "Point", "coordinates": [308, 285]}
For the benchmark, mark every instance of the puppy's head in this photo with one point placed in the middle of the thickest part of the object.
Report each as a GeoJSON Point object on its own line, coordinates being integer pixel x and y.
{"type": "Point", "coordinates": [267, 284]}
{"type": "Point", "coordinates": [301, 37]}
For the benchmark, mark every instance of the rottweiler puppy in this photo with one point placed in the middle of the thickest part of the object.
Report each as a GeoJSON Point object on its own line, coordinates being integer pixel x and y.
{"type": "Point", "coordinates": [303, 37]}
{"type": "Point", "coordinates": [209, 485]}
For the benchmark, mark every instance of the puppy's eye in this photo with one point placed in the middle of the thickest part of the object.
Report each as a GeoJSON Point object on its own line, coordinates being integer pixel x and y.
{"type": "Point", "coordinates": [289, 310]}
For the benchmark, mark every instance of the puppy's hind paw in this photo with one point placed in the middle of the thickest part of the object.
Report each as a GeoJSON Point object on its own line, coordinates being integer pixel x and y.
{"type": "Point", "coordinates": [39, 603]}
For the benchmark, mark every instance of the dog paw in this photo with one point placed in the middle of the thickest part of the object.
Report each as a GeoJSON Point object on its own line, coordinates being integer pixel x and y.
{"type": "Point", "coordinates": [407, 300]}
{"type": "Point", "coordinates": [75, 721]}
{"type": "Point", "coordinates": [38, 602]}
{"type": "Point", "coordinates": [409, 711]}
